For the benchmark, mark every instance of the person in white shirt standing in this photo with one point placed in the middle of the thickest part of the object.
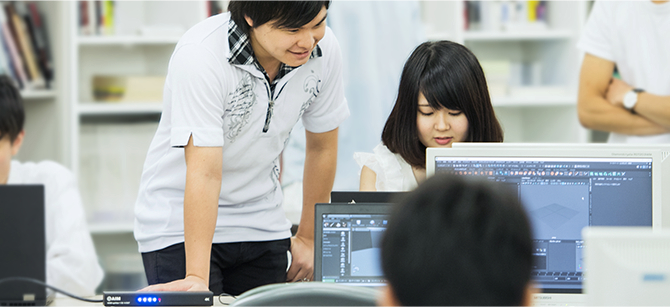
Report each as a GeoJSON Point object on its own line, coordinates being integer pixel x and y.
{"type": "Point", "coordinates": [209, 211]}
{"type": "Point", "coordinates": [633, 37]}
{"type": "Point", "coordinates": [72, 264]}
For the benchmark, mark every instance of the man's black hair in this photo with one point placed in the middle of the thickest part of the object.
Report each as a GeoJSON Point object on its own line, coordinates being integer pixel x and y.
{"type": "Point", "coordinates": [458, 241]}
{"type": "Point", "coordinates": [286, 14]}
{"type": "Point", "coordinates": [12, 113]}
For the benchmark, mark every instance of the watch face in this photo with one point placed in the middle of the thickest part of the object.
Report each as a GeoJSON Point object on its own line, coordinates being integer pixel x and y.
{"type": "Point", "coordinates": [629, 100]}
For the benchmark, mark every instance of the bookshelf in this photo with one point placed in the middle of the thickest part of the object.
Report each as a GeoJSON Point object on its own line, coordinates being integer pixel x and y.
{"type": "Point", "coordinates": [109, 139]}
{"type": "Point", "coordinates": [46, 108]}
{"type": "Point", "coordinates": [532, 70]}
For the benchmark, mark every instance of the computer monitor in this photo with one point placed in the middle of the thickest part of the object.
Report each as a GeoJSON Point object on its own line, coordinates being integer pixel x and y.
{"type": "Point", "coordinates": [22, 244]}
{"type": "Point", "coordinates": [627, 266]}
{"type": "Point", "coordinates": [565, 190]}
{"type": "Point", "coordinates": [664, 149]}
{"type": "Point", "coordinates": [347, 243]}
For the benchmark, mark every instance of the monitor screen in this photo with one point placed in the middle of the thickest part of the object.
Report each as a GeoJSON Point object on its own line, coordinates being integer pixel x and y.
{"type": "Point", "coordinates": [602, 149]}
{"type": "Point", "coordinates": [564, 190]}
{"type": "Point", "coordinates": [347, 243]}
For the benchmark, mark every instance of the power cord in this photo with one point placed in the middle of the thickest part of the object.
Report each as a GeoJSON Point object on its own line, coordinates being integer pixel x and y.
{"type": "Point", "coordinates": [41, 283]}
{"type": "Point", "coordinates": [225, 294]}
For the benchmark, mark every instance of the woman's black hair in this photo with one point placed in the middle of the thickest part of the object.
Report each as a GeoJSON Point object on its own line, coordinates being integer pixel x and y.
{"type": "Point", "coordinates": [449, 76]}
{"type": "Point", "coordinates": [12, 113]}
{"type": "Point", "coordinates": [286, 14]}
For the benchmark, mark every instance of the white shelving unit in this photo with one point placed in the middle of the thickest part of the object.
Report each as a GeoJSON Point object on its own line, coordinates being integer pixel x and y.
{"type": "Point", "coordinates": [46, 110]}
{"type": "Point", "coordinates": [544, 111]}
{"type": "Point", "coordinates": [127, 40]}
{"type": "Point", "coordinates": [139, 108]}
{"type": "Point", "coordinates": [113, 161]}
{"type": "Point", "coordinates": [109, 140]}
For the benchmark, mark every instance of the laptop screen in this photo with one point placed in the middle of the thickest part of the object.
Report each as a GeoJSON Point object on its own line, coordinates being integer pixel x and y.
{"type": "Point", "coordinates": [364, 196]}
{"type": "Point", "coordinates": [562, 196]}
{"type": "Point", "coordinates": [22, 242]}
{"type": "Point", "coordinates": [347, 243]}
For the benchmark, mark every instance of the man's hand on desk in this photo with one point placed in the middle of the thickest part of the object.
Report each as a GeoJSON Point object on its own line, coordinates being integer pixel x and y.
{"type": "Point", "coordinates": [302, 260]}
{"type": "Point", "coordinates": [190, 283]}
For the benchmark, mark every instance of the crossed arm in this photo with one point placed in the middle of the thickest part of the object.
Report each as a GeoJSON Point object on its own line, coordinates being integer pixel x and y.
{"type": "Point", "coordinates": [600, 103]}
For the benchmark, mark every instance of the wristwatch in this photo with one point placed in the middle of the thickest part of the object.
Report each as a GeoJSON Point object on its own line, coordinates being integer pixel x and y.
{"type": "Point", "coordinates": [630, 99]}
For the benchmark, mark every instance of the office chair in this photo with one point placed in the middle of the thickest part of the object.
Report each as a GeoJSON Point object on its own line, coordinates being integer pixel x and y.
{"type": "Point", "coordinates": [307, 294]}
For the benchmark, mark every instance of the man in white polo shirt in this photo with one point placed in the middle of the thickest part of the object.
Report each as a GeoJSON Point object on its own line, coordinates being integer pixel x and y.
{"type": "Point", "coordinates": [209, 212]}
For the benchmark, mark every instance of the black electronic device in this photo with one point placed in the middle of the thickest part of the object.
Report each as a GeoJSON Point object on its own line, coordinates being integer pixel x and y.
{"type": "Point", "coordinates": [160, 298]}
{"type": "Point", "coordinates": [22, 245]}
{"type": "Point", "coordinates": [365, 196]}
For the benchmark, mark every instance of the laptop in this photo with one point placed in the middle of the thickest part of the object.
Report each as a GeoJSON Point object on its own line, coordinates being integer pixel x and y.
{"type": "Point", "coordinates": [364, 196]}
{"type": "Point", "coordinates": [347, 239]}
{"type": "Point", "coordinates": [22, 244]}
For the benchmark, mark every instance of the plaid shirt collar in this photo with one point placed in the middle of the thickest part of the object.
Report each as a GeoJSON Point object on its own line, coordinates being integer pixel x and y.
{"type": "Point", "coordinates": [241, 52]}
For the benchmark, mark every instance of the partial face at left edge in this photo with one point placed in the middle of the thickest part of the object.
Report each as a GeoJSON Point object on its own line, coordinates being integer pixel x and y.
{"type": "Point", "coordinates": [7, 151]}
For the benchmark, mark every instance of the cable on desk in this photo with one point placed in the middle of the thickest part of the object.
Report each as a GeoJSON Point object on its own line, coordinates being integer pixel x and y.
{"type": "Point", "coordinates": [225, 294]}
{"type": "Point", "coordinates": [39, 282]}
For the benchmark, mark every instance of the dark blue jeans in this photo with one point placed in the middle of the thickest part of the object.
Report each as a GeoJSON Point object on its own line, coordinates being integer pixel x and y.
{"type": "Point", "coordinates": [233, 269]}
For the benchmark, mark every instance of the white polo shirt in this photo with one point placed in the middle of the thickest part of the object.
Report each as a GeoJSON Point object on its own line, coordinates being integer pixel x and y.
{"type": "Point", "coordinates": [225, 105]}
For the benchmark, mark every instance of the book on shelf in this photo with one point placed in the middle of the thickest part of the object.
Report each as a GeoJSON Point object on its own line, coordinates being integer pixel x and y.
{"type": "Point", "coordinates": [26, 54]}
{"type": "Point", "coordinates": [96, 17]}
{"type": "Point", "coordinates": [39, 38]}
{"type": "Point", "coordinates": [216, 7]}
{"type": "Point", "coordinates": [14, 64]}
{"type": "Point", "coordinates": [505, 15]}
{"type": "Point", "coordinates": [144, 89]}
{"type": "Point", "coordinates": [25, 45]}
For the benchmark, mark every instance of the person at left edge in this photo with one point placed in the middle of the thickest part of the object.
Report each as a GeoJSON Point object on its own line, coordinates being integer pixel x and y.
{"type": "Point", "coordinates": [209, 211]}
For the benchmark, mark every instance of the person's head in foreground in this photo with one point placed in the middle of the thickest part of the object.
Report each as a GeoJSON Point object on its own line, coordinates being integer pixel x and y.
{"type": "Point", "coordinates": [457, 241]}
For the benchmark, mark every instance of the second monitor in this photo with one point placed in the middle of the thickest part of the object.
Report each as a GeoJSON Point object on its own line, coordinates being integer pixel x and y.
{"type": "Point", "coordinates": [565, 190]}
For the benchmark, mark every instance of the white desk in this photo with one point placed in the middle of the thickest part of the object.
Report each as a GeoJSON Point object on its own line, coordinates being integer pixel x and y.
{"type": "Point", "coordinates": [67, 301]}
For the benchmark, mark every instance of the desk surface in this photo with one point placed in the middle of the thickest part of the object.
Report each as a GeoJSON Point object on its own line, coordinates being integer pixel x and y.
{"type": "Point", "coordinates": [67, 301]}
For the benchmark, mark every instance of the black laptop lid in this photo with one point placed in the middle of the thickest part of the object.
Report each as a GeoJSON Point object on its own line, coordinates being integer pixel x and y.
{"type": "Point", "coordinates": [22, 244]}
{"type": "Point", "coordinates": [347, 241]}
{"type": "Point", "coordinates": [364, 196]}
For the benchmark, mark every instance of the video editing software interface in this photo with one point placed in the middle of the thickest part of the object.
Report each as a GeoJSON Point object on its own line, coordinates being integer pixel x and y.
{"type": "Point", "coordinates": [562, 196]}
{"type": "Point", "coordinates": [351, 248]}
